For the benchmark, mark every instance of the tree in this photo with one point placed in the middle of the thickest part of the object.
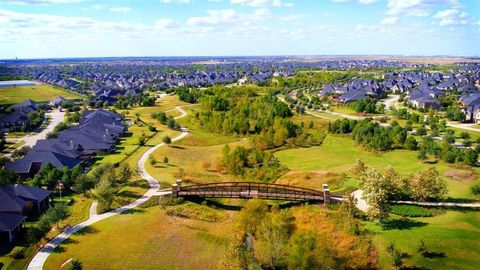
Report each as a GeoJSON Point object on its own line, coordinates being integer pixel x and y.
{"type": "Point", "coordinates": [153, 161]}
{"type": "Point", "coordinates": [396, 256]}
{"type": "Point", "coordinates": [347, 213]}
{"type": "Point", "coordinates": [252, 215]}
{"type": "Point", "coordinates": [83, 183]}
{"type": "Point", "coordinates": [57, 213]}
{"type": "Point", "coordinates": [411, 143]}
{"type": "Point", "coordinates": [124, 173]}
{"type": "Point", "coordinates": [422, 154]}
{"type": "Point", "coordinates": [21, 152]}
{"type": "Point", "coordinates": [273, 235]}
{"type": "Point", "coordinates": [421, 131]}
{"type": "Point", "coordinates": [142, 139]}
{"type": "Point", "coordinates": [464, 135]}
{"type": "Point", "coordinates": [104, 192]}
{"type": "Point", "coordinates": [376, 189]}
{"type": "Point", "coordinates": [8, 176]}
{"type": "Point", "coordinates": [309, 251]}
{"type": "Point", "coordinates": [167, 140]}
{"type": "Point", "coordinates": [475, 189]}
{"type": "Point", "coordinates": [165, 160]}
{"type": "Point", "coordinates": [75, 265]}
{"type": "Point", "coordinates": [427, 185]}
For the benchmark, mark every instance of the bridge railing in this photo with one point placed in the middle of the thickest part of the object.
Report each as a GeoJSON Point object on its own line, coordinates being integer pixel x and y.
{"type": "Point", "coordinates": [251, 190]}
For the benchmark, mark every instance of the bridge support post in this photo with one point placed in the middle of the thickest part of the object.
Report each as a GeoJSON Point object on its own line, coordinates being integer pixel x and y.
{"type": "Point", "coordinates": [326, 194]}
{"type": "Point", "coordinates": [175, 190]}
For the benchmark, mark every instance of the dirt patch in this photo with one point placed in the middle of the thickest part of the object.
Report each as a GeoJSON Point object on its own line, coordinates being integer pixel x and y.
{"type": "Point", "coordinates": [310, 179]}
{"type": "Point", "coordinates": [461, 175]}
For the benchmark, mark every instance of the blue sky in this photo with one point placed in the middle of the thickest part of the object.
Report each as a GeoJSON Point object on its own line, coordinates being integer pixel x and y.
{"type": "Point", "coordinates": [87, 28]}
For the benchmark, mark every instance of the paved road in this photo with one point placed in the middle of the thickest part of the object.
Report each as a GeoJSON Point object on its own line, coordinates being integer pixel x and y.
{"type": "Point", "coordinates": [39, 260]}
{"type": "Point", "coordinates": [390, 101]}
{"type": "Point", "coordinates": [464, 126]}
{"type": "Point", "coordinates": [56, 117]}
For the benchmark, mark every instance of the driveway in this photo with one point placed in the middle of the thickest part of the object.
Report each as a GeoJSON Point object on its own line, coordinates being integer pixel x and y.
{"type": "Point", "coordinates": [56, 117]}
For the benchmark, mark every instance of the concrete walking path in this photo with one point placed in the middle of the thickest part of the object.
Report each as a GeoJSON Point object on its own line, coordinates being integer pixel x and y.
{"type": "Point", "coordinates": [363, 205]}
{"type": "Point", "coordinates": [39, 260]}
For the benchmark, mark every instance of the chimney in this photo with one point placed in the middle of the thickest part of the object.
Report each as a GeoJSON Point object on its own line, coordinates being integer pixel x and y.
{"type": "Point", "coordinates": [106, 131]}
{"type": "Point", "coordinates": [104, 137]}
{"type": "Point", "coordinates": [71, 145]}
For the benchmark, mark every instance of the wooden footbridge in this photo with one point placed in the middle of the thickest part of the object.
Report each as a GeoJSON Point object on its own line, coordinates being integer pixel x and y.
{"type": "Point", "coordinates": [250, 190]}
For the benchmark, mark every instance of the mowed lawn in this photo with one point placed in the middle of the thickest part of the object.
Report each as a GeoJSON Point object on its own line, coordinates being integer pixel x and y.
{"type": "Point", "coordinates": [338, 154]}
{"type": "Point", "coordinates": [453, 238]}
{"type": "Point", "coordinates": [39, 93]}
{"type": "Point", "coordinates": [147, 239]}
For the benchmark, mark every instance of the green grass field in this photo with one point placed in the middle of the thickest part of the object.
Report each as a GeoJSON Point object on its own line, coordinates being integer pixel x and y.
{"type": "Point", "coordinates": [39, 93]}
{"type": "Point", "coordinates": [338, 154]}
{"type": "Point", "coordinates": [452, 238]}
{"type": "Point", "coordinates": [147, 239]}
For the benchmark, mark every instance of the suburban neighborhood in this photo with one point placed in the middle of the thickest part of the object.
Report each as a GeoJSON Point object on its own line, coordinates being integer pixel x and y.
{"type": "Point", "coordinates": [240, 134]}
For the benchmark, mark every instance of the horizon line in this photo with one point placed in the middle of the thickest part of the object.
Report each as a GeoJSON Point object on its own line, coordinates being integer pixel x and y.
{"type": "Point", "coordinates": [259, 55]}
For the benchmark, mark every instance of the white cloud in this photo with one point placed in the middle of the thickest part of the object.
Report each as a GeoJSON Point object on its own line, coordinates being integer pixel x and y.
{"type": "Point", "coordinates": [99, 6]}
{"type": "Point", "coordinates": [364, 2]}
{"type": "Point", "coordinates": [120, 9]}
{"type": "Point", "coordinates": [39, 2]}
{"type": "Point", "coordinates": [259, 3]}
{"type": "Point", "coordinates": [417, 7]}
{"type": "Point", "coordinates": [452, 17]}
{"type": "Point", "coordinates": [367, 1]}
{"type": "Point", "coordinates": [390, 20]}
{"type": "Point", "coordinates": [292, 17]}
{"type": "Point", "coordinates": [176, 1]}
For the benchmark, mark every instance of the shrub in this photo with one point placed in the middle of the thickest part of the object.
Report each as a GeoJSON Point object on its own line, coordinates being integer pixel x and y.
{"type": "Point", "coordinates": [475, 189]}
{"type": "Point", "coordinates": [410, 211]}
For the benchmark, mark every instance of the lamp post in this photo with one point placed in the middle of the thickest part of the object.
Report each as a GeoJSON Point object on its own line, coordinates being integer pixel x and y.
{"type": "Point", "coordinates": [60, 187]}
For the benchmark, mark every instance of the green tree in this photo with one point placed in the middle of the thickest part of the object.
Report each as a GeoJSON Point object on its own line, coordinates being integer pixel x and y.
{"type": "Point", "coordinates": [309, 251]}
{"type": "Point", "coordinates": [124, 173]}
{"type": "Point", "coordinates": [167, 140]}
{"type": "Point", "coordinates": [376, 189]}
{"type": "Point", "coordinates": [8, 177]}
{"type": "Point", "coordinates": [252, 215]}
{"type": "Point", "coordinates": [165, 160]}
{"type": "Point", "coordinates": [427, 185]}
{"type": "Point", "coordinates": [273, 236]}
{"type": "Point", "coordinates": [57, 213]}
{"type": "Point", "coordinates": [75, 265]}
{"type": "Point", "coordinates": [104, 192]}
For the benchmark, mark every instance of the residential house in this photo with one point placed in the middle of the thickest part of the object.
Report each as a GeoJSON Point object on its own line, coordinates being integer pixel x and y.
{"type": "Point", "coordinates": [424, 99]}
{"type": "Point", "coordinates": [57, 101]}
{"type": "Point", "coordinates": [17, 202]}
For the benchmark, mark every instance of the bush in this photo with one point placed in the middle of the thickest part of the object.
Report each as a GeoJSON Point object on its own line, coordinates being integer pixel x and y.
{"type": "Point", "coordinates": [475, 189]}
{"type": "Point", "coordinates": [410, 211]}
